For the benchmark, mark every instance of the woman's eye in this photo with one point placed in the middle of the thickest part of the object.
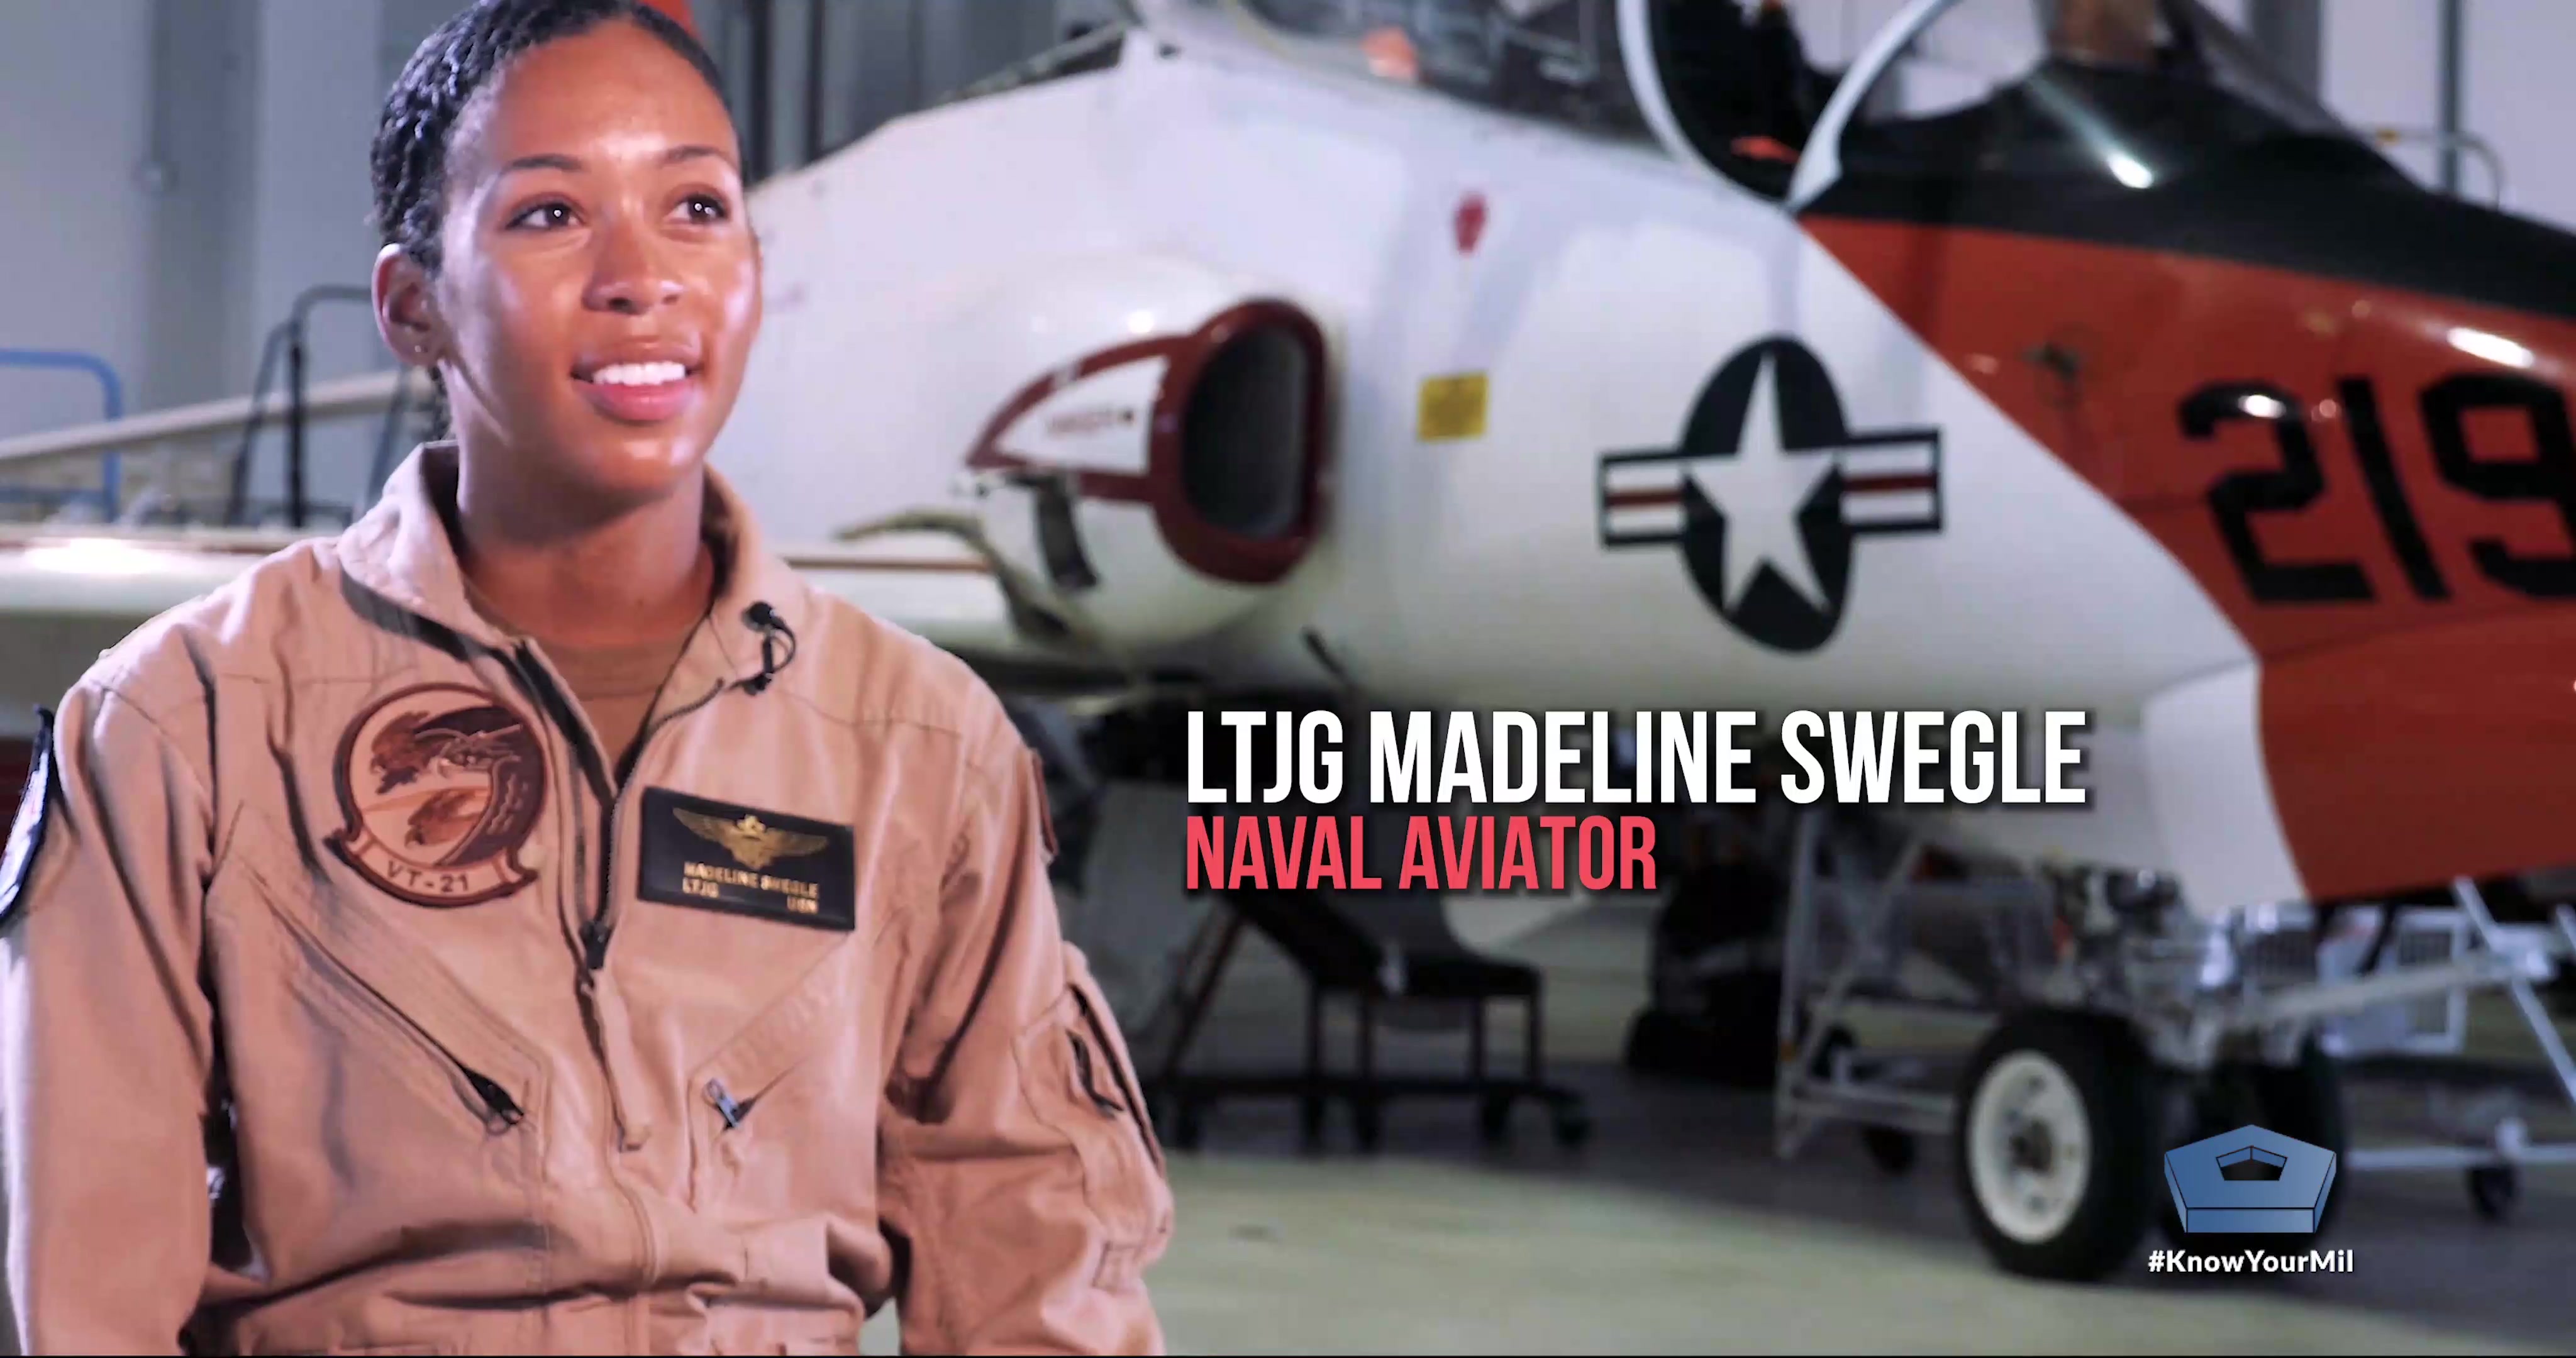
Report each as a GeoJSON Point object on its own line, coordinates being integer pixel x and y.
{"type": "Point", "coordinates": [704, 209]}
{"type": "Point", "coordinates": [544, 217]}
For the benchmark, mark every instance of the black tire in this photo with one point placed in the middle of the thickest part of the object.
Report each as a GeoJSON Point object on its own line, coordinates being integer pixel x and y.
{"type": "Point", "coordinates": [1654, 1043]}
{"type": "Point", "coordinates": [1742, 1047]}
{"type": "Point", "coordinates": [1572, 1126]}
{"type": "Point", "coordinates": [1494, 1118]}
{"type": "Point", "coordinates": [1368, 1123]}
{"type": "Point", "coordinates": [2493, 1190]}
{"type": "Point", "coordinates": [1310, 1122]}
{"type": "Point", "coordinates": [2111, 1083]}
{"type": "Point", "coordinates": [1890, 1148]}
{"type": "Point", "coordinates": [1735, 1044]}
{"type": "Point", "coordinates": [2303, 1101]}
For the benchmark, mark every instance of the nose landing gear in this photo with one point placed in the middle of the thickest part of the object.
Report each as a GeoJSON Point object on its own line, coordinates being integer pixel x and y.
{"type": "Point", "coordinates": [2053, 1145]}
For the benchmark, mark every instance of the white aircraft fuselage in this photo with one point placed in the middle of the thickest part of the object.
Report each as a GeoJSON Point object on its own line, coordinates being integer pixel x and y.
{"type": "Point", "coordinates": [1283, 377]}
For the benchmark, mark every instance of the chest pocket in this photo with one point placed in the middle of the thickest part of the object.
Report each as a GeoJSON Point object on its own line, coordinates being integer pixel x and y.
{"type": "Point", "coordinates": [776, 1120]}
{"type": "Point", "coordinates": [1076, 1072]}
{"type": "Point", "coordinates": [358, 1061]}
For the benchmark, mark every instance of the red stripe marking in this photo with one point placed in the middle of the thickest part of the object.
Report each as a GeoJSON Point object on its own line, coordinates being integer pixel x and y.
{"type": "Point", "coordinates": [2399, 734]}
{"type": "Point", "coordinates": [1642, 499]}
{"type": "Point", "coordinates": [1893, 481]}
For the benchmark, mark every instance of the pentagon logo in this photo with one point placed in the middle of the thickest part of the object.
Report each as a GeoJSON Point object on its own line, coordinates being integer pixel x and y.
{"type": "Point", "coordinates": [2250, 1180]}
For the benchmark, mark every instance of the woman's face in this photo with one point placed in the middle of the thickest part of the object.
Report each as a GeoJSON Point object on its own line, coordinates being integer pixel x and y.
{"type": "Point", "coordinates": [599, 288]}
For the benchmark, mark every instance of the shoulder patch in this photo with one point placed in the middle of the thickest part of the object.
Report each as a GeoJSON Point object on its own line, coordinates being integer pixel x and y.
{"type": "Point", "coordinates": [441, 786]}
{"type": "Point", "coordinates": [27, 829]}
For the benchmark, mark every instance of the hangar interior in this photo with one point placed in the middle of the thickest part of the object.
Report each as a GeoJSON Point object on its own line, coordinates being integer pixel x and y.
{"type": "Point", "coordinates": [190, 177]}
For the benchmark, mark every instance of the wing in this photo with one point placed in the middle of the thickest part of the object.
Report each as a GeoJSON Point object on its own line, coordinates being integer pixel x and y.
{"type": "Point", "coordinates": [707, 827]}
{"type": "Point", "coordinates": [66, 595]}
{"type": "Point", "coordinates": [789, 844]}
{"type": "Point", "coordinates": [68, 592]}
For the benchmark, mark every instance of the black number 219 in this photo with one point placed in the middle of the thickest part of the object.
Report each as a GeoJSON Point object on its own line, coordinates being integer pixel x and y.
{"type": "Point", "coordinates": [2547, 477]}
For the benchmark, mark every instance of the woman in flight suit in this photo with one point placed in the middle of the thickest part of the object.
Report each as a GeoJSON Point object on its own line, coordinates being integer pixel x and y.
{"type": "Point", "coordinates": [537, 920]}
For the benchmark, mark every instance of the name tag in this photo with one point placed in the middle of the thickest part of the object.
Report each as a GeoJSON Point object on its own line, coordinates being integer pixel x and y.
{"type": "Point", "coordinates": [717, 856]}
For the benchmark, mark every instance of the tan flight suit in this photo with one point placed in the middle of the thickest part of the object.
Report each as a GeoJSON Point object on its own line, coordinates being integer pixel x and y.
{"type": "Point", "coordinates": [345, 1007]}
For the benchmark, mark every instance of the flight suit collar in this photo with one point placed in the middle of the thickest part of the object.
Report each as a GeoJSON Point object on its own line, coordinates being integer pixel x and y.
{"type": "Point", "coordinates": [401, 550]}
{"type": "Point", "coordinates": [754, 580]}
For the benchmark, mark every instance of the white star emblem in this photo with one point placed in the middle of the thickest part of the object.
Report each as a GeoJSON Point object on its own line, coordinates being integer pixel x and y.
{"type": "Point", "coordinates": [1761, 490]}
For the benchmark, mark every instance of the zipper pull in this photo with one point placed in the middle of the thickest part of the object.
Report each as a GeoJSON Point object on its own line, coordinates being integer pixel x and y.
{"type": "Point", "coordinates": [1082, 1058]}
{"type": "Point", "coordinates": [726, 1108]}
{"type": "Point", "coordinates": [594, 944]}
{"type": "Point", "coordinates": [504, 1110]}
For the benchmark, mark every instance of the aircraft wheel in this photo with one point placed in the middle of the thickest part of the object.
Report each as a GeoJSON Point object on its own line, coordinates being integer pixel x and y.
{"type": "Point", "coordinates": [1494, 1118]}
{"type": "Point", "coordinates": [1310, 1123]}
{"type": "Point", "coordinates": [2493, 1190]}
{"type": "Point", "coordinates": [1368, 1123]}
{"type": "Point", "coordinates": [2054, 1150]}
{"type": "Point", "coordinates": [1890, 1148]}
{"type": "Point", "coordinates": [1573, 1127]}
{"type": "Point", "coordinates": [1655, 1043]}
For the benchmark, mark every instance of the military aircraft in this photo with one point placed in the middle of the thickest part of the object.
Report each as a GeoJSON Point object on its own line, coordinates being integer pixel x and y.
{"type": "Point", "coordinates": [1550, 354]}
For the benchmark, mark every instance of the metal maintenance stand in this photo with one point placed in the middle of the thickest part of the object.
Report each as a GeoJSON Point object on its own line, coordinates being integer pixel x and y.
{"type": "Point", "coordinates": [2109, 1011]}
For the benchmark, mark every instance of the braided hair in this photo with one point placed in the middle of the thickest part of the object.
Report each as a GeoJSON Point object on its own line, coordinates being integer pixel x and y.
{"type": "Point", "coordinates": [452, 65]}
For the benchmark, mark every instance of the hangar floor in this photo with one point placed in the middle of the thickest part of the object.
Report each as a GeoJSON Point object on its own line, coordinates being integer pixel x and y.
{"type": "Point", "coordinates": [1676, 1230]}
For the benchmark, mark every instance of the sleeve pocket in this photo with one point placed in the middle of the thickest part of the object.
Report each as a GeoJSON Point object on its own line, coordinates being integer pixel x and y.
{"type": "Point", "coordinates": [1076, 1075]}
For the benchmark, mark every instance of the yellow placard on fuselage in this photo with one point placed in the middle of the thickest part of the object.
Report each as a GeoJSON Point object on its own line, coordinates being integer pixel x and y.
{"type": "Point", "coordinates": [1453, 407]}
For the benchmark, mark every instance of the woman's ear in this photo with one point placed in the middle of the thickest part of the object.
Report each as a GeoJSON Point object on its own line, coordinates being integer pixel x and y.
{"type": "Point", "coordinates": [406, 315]}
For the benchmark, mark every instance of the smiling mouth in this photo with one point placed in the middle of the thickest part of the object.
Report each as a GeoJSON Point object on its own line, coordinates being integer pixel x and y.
{"type": "Point", "coordinates": [659, 374]}
{"type": "Point", "coordinates": [641, 392]}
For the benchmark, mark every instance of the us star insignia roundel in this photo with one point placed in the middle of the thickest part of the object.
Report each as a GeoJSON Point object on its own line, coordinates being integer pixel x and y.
{"type": "Point", "coordinates": [440, 785]}
{"type": "Point", "coordinates": [1767, 492]}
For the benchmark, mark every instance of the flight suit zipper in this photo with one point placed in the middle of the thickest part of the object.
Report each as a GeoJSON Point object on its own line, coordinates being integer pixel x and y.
{"type": "Point", "coordinates": [599, 930]}
{"type": "Point", "coordinates": [484, 1097]}
{"type": "Point", "coordinates": [594, 937]}
{"type": "Point", "coordinates": [594, 931]}
{"type": "Point", "coordinates": [733, 1113]}
{"type": "Point", "coordinates": [501, 1111]}
{"type": "Point", "coordinates": [602, 927]}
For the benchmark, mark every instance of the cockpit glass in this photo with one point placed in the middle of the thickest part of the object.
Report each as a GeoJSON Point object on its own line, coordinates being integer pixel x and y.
{"type": "Point", "coordinates": [2132, 91]}
{"type": "Point", "coordinates": [1555, 60]}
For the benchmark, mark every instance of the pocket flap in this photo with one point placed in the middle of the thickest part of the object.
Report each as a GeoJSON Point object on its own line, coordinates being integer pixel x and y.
{"type": "Point", "coordinates": [771, 1045]}
{"type": "Point", "coordinates": [1076, 1075]}
{"type": "Point", "coordinates": [375, 954]}
{"type": "Point", "coordinates": [1119, 1078]}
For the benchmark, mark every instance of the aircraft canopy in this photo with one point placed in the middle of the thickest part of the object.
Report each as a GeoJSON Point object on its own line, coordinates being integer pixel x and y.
{"type": "Point", "coordinates": [1555, 60]}
{"type": "Point", "coordinates": [2125, 92]}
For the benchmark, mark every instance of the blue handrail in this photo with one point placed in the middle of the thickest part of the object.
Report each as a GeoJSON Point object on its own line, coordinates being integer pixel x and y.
{"type": "Point", "coordinates": [112, 394]}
